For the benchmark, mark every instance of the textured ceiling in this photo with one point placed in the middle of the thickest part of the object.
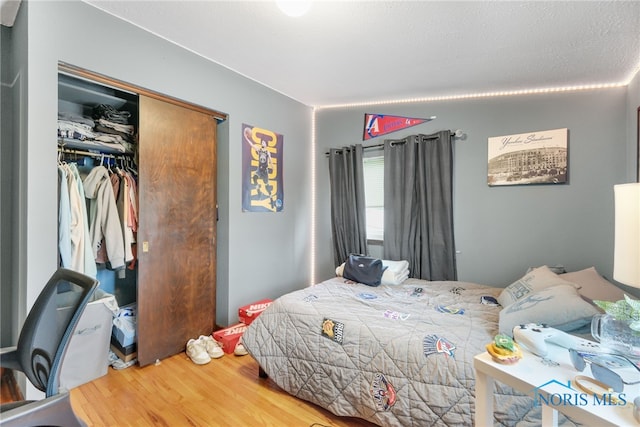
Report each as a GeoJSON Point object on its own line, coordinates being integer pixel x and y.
{"type": "Point", "coordinates": [356, 52]}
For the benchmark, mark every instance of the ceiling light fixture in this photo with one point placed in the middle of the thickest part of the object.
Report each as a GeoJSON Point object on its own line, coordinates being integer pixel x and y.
{"type": "Point", "coordinates": [294, 8]}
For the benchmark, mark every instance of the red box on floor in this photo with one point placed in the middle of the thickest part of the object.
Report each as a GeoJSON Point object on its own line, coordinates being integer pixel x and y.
{"type": "Point", "coordinates": [230, 336]}
{"type": "Point", "coordinates": [248, 313]}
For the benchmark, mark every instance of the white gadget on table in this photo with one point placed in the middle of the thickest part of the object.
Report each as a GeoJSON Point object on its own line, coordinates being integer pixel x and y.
{"type": "Point", "coordinates": [535, 336]}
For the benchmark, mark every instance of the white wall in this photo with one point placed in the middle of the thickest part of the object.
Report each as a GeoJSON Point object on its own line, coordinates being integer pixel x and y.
{"type": "Point", "coordinates": [501, 231]}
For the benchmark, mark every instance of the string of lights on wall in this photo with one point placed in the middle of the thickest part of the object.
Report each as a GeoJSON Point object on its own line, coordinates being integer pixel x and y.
{"type": "Point", "coordinates": [476, 95]}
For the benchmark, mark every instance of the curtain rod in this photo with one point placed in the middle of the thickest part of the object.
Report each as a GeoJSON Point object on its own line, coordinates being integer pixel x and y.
{"type": "Point", "coordinates": [454, 134]}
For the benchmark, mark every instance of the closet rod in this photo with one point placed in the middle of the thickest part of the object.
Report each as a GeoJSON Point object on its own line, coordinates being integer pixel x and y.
{"type": "Point", "coordinates": [63, 150]}
{"type": "Point", "coordinates": [454, 134]}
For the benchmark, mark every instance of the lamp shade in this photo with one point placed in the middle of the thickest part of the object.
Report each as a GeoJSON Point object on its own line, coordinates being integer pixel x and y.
{"type": "Point", "coordinates": [626, 259]}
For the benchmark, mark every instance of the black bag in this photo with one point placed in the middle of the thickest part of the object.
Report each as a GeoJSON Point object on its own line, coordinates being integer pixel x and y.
{"type": "Point", "coordinates": [363, 269]}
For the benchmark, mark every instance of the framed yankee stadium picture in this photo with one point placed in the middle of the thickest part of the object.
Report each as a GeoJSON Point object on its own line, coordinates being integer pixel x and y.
{"type": "Point", "coordinates": [538, 157]}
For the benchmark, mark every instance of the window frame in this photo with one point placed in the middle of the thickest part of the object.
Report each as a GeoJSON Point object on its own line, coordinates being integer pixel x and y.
{"type": "Point", "coordinates": [374, 158]}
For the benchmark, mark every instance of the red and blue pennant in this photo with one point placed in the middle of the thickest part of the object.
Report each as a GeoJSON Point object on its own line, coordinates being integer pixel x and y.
{"type": "Point", "coordinates": [380, 124]}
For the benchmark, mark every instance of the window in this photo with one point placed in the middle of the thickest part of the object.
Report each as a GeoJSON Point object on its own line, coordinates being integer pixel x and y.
{"type": "Point", "coordinates": [374, 196]}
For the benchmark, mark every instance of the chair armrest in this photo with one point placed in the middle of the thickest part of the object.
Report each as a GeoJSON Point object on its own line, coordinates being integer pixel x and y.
{"type": "Point", "coordinates": [9, 358]}
{"type": "Point", "coordinates": [55, 410]}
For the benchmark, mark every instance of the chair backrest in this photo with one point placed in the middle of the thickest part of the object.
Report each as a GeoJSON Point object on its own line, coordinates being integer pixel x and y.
{"type": "Point", "coordinates": [49, 326]}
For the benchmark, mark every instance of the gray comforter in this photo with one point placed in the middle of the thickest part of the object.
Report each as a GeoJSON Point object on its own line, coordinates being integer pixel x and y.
{"type": "Point", "coordinates": [393, 355]}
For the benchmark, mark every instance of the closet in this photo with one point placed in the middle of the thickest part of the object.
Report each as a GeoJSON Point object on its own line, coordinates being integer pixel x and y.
{"type": "Point", "coordinates": [175, 158]}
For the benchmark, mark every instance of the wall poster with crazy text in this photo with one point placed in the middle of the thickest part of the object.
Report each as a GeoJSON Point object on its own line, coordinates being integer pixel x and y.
{"type": "Point", "coordinates": [262, 189]}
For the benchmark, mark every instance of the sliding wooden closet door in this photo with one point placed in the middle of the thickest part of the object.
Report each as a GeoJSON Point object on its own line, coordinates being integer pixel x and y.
{"type": "Point", "coordinates": [177, 231]}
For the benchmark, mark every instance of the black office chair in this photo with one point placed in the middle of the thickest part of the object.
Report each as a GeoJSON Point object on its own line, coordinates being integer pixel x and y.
{"type": "Point", "coordinates": [42, 344]}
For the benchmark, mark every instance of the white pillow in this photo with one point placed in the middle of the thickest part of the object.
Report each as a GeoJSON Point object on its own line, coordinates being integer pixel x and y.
{"type": "Point", "coordinates": [560, 307]}
{"type": "Point", "coordinates": [593, 286]}
{"type": "Point", "coordinates": [397, 267]}
{"type": "Point", "coordinates": [535, 280]}
{"type": "Point", "coordinates": [558, 269]}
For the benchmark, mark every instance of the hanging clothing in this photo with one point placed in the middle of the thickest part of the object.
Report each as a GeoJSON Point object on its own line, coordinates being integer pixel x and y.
{"type": "Point", "coordinates": [132, 215]}
{"type": "Point", "coordinates": [64, 218]}
{"type": "Point", "coordinates": [103, 217]}
{"type": "Point", "coordinates": [76, 224]}
{"type": "Point", "coordinates": [121, 192]}
{"type": "Point", "coordinates": [107, 233]}
{"type": "Point", "coordinates": [90, 268]}
{"type": "Point", "coordinates": [101, 256]}
{"type": "Point", "coordinates": [73, 228]}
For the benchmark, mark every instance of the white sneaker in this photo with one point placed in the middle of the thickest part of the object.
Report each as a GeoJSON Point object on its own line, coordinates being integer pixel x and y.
{"type": "Point", "coordinates": [240, 350]}
{"type": "Point", "coordinates": [212, 347]}
{"type": "Point", "coordinates": [197, 352]}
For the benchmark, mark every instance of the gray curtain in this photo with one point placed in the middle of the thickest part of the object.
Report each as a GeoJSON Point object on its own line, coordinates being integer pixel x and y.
{"type": "Point", "coordinates": [418, 205]}
{"type": "Point", "coordinates": [348, 226]}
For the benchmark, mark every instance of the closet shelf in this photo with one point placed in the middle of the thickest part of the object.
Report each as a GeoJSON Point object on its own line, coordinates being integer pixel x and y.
{"type": "Point", "coordinates": [80, 91]}
{"type": "Point", "coordinates": [95, 147]}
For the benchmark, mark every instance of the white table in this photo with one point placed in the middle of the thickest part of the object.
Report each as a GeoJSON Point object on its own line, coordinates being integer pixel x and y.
{"type": "Point", "coordinates": [532, 376]}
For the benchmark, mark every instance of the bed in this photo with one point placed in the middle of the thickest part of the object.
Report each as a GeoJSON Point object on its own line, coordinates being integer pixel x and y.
{"type": "Point", "coordinates": [395, 355]}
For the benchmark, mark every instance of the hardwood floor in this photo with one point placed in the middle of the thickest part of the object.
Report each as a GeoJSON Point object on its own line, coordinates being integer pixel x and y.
{"type": "Point", "coordinates": [9, 391]}
{"type": "Point", "coordinates": [176, 392]}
